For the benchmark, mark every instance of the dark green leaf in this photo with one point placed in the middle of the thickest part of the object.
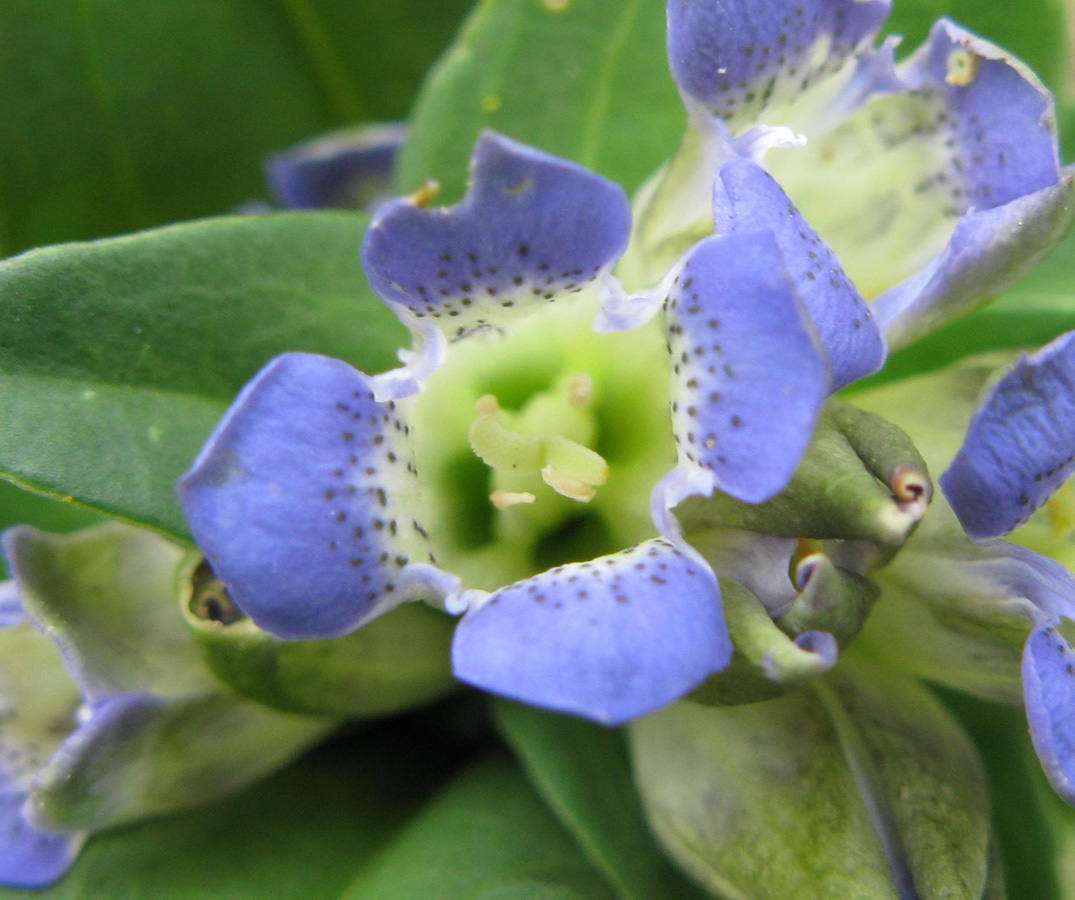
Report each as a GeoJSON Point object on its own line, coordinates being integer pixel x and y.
{"type": "Point", "coordinates": [583, 773]}
{"type": "Point", "coordinates": [1022, 800]}
{"type": "Point", "coordinates": [121, 114]}
{"type": "Point", "coordinates": [1033, 30]}
{"type": "Point", "coordinates": [584, 79]}
{"type": "Point", "coordinates": [118, 357]}
{"type": "Point", "coordinates": [302, 835]}
{"type": "Point", "coordinates": [487, 837]}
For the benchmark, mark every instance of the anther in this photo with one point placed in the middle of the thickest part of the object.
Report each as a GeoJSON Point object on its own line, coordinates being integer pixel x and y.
{"type": "Point", "coordinates": [580, 390]}
{"type": "Point", "coordinates": [426, 194]}
{"type": "Point", "coordinates": [508, 499]}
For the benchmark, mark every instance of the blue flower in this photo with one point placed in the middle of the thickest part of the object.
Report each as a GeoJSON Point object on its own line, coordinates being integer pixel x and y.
{"type": "Point", "coordinates": [97, 729]}
{"type": "Point", "coordinates": [504, 468]}
{"type": "Point", "coordinates": [935, 183]}
{"type": "Point", "coordinates": [313, 502]}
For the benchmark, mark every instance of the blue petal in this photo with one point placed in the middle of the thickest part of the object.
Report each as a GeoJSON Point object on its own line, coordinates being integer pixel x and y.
{"type": "Point", "coordinates": [609, 640]}
{"type": "Point", "coordinates": [746, 198]}
{"type": "Point", "coordinates": [1020, 446]}
{"type": "Point", "coordinates": [989, 251]}
{"type": "Point", "coordinates": [1000, 122]}
{"type": "Point", "coordinates": [1049, 694]}
{"type": "Point", "coordinates": [749, 378]}
{"type": "Point", "coordinates": [30, 858]}
{"type": "Point", "coordinates": [738, 58]}
{"type": "Point", "coordinates": [303, 501]}
{"type": "Point", "coordinates": [349, 169]}
{"type": "Point", "coordinates": [531, 229]}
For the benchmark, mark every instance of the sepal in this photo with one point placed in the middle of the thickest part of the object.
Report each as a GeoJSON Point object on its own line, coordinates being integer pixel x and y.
{"type": "Point", "coordinates": [863, 767]}
{"type": "Point", "coordinates": [766, 663]}
{"type": "Point", "coordinates": [396, 662]}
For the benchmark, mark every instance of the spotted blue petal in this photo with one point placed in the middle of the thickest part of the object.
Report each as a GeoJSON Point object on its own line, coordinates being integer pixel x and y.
{"type": "Point", "coordinates": [746, 198]}
{"type": "Point", "coordinates": [610, 639]}
{"type": "Point", "coordinates": [348, 169]}
{"type": "Point", "coordinates": [1049, 695]}
{"type": "Point", "coordinates": [531, 229]}
{"type": "Point", "coordinates": [748, 376]}
{"type": "Point", "coordinates": [1020, 446]}
{"type": "Point", "coordinates": [737, 59]}
{"type": "Point", "coordinates": [999, 123]}
{"type": "Point", "coordinates": [303, 500]}
{"type": "Point", "coordinates": [972, 130]}
{"type": "Point", "coordinates": [990, 250]}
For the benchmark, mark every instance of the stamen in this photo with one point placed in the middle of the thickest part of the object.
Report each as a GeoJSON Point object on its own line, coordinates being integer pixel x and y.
{"type": "Point", "coordinates": [566, 486]}
{"type": "Point", "coordinates": [488, 405]}
{"type": "Point", "coordinates": [962, 67]}
{"type": "Point", "coordinates": [567, 467]}
{"type": "Point", "coordinates": [1060, 509]}
{"type": "Point", "coordinates": [580, 390]}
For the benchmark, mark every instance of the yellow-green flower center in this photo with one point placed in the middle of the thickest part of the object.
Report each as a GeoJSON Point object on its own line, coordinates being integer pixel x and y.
{"type": "Point", "coordinates": [542, 447]}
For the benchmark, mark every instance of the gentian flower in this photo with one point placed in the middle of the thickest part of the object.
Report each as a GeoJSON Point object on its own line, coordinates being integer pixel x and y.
{"type": "Point", "coordinates": [936, 182]}
{"type": "Point", "coordinates": [327, 497]}
{"type": "Point", "coordinates": [98, 728]}
{"type": "Point", "coordinates": [322, 495]}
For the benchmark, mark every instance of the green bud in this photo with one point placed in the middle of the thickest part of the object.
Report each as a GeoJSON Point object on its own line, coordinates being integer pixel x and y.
{"type": "Point", "coordinates": [832, 600]}
{"type": "Point", "coordinates": [944, 618]}
{"type": "Point", "coordinates": [161, 755]}
{"type": "Point", "coordinates": [141, 726]}
{"type": "Point", "coordinates": [766, 663]}
{"type": "Point", "coordinates": [861, 479]}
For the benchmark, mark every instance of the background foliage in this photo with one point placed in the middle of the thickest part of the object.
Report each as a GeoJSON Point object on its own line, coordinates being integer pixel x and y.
{"type": "Point", "coordinates": [116, 358]}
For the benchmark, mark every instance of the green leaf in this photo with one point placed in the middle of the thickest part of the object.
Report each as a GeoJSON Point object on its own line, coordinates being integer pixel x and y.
{"type": "Point", "coordinates": [1022, 800]}
{"type": "Point", "coordinates": [585, 80]}
{"type": "Point", "coordinates": [1033, 30]}
{"type": "Point", "coordinates": [301, 835]}
{"type": "Point", "coordinates": [120, 114]}
{"type": "Point", "coordinates": [119, 356]}
{"type": "Point", "coordinates": [582, 772]}
{"type": "Point", "coordinates": [860, 787]}
{"type": "Point", "coordinates": [486, 837]}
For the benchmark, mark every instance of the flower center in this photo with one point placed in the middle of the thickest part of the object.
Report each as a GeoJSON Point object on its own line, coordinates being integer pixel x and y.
{"type": "Point", "coordinates": [542, 447]}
